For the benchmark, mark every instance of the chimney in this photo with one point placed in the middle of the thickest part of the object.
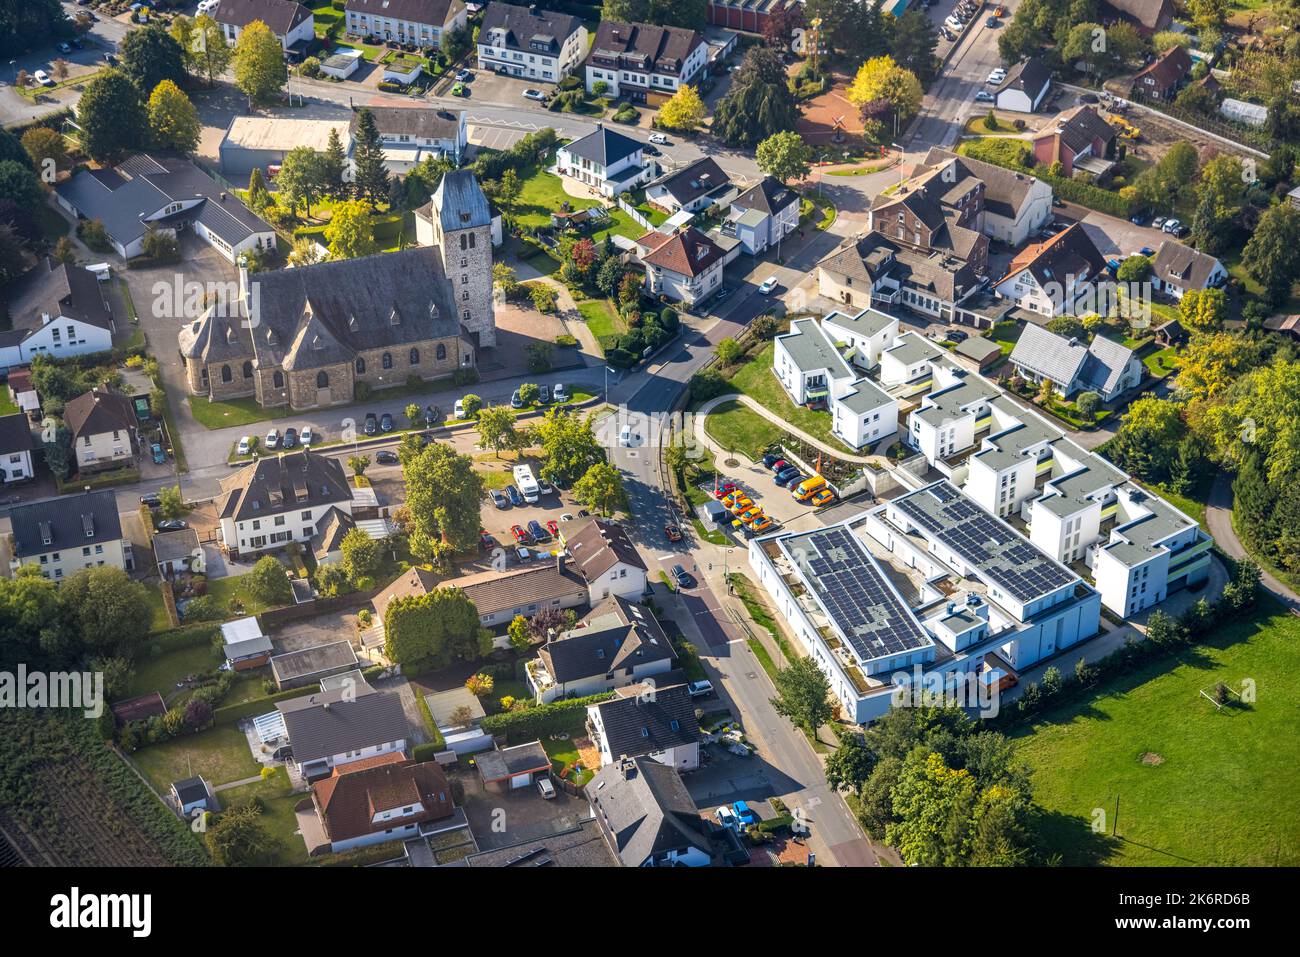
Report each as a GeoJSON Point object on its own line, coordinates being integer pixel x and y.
{"type": "Point", "coordinates": [559, 562]}
{"type": "Point", "coordinates": [626, 767]}
{"type": "Point", "coordinates": [243, 278]}
{"type": "Point", "coordinates": [223, 195]}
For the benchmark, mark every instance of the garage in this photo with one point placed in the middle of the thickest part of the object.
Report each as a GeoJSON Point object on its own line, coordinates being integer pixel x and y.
{"type": "Point", "coordinates": [510, 769]}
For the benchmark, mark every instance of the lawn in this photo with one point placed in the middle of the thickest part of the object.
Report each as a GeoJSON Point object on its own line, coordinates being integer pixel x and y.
{"type": "Point", "coordinates": [1231, 260]}
{"type": "Point", "coordinates": [1193, 503]}
{"type": "Point", "coordinates": [161, 672]}
{"type": "Point", "coordinates": [222, 414]}
{"type": "Point", "coordinates": [755, 379]}
{"type": "Point", "coordinates": [230, 589]}
{"type": "Point", "coordinates": [1161, 363]}
{"type": "Point", "coordinates": [738, 429]}
{"type": "Point", "coordinates": [277, 816]}
{"type": "Point", "coordinates": [1215, 788]}
{"type": "Point", "coordinates": [602, 319]}
{"type": "Point", "coordinates": [220, 754]}
{"type": "Point", "coordinates": [542, 193]}
{"type": "Point", "coordinates": [7, 406]}
{"type": "Point", "coordinates": [1006, 335]}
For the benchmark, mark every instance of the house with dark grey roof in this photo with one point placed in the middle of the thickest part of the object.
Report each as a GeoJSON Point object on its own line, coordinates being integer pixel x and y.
{"type": "Point", "coordinates": [280, 499]}
{"type": "Point", "coordinates": [410, 134]}
{"type": "Point", "coordinates": [617, 644]}
{"type": "Point", "coordinates": [936, 211]}
{"type": "Point", "coordinates": [605, 160]}
{"type": "Point", "coordinates": [1080, 138]}
{"type": "Point", "coordinates": [330, 729]}
{"type": "Point", "coordinates": [603, 554]}
{"type": "Point", "coordinates": [646, 720]}
{"type": "Point", "coordinates": [648, 817]}
{"type": "Point", "coordinates": [1177, 268]}
{"type": "Point", "coordinates": [1053, 277]}
{"type": "Point", "coordinates": [16, 445]}
{"type": "Point", "coordinates": [1026, 85]}
{"type": "Point", "coordinates": [874, 270]}
{"type": "Point", "coordinates": [514, 767]}
{"type": "Point", "coordinates": [530, 43]}
{"type": "Point", "coordinates": [691, 188]}
{"type": "Point", "coordinates": [644, 63]}
{"type": "Point", "coordinates": [193, 794]}
{"type": "Point", "coordinates": [1149, 16]}
{"type": "Point", "coordinates": [422, 22]}
{"type": "Point", "coordinates": [55, 309]}
{"type": "Point", "coordinates": [103, 427]}
{"type": "Point", "coordinates": [67, 534]}
{"type": "Point", "coordinates": [153, 191]}
{"type": "Point", "coordinates": [1016, 204]}
{"type": "Point", "coordinates": [1102, 366]}
{"type": "Point", "coordinates": [762, 215]}
{"type": "Point", "coordinates": [291, 22]}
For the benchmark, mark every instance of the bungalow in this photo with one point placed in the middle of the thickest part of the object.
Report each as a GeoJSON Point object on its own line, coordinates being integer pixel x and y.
{"type": "Point", "coordinates": [306, 666]}
{"type": "Point", "coordinates": [333, 728]}
{"type": "Point", "coordinates": [605, 161]}
{"type": "Point", "coordinates": [647, 721]}
{"type": "Point", "coordinates": [102, 424]}
{"type": "Point", "coordinates": [173, 552]}
{"type": "Point", "coordinates": [59, 310]}
{"type": "Point", "coordinates": [380, 799]}
{"type": "Point", "coordinates": [617, 644]}
{"type": "Point", "coordinates": [1163, 77]}
{"type": "Point", "coordinates": [291, 22]}
{"type": "Point", "coordinates": [692, 188]}
{"type": "Point", "coordinates": [148, 192]}
{"type": "Point", "coordinates": [408, 135]}
{"type": "Point", "coordinates": [1178, 268]}
{"type": "Point", "coordinates": [1025, 87]}
{"type": "Point", "coordinates": [685, 267]}
{"type": "Point", "coordinates": [1103, 366]}
{"type": "Point", "coordinates": [16, 447]}
{"type": "Point", "coordinates": [1078, 137]}
{"type": "Point", "coordinates": [647, 816]}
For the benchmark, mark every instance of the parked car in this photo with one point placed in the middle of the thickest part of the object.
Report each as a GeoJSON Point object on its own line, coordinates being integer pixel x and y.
{"type": "Point", "coordinates": [1147, 251]}
{"type": "Point", "coordinates": [173, 525]}
{"type": "Point", "coordinates": [544, 395]}
{"type": "Point", "coordinates": [1158, 222]}
{"type": "Point", "coordinates": [778, 465]}
{"type": "Point", "coordinates": [788, 476]}
{"type": "Point", "coordinates": [553, 527]}
{"type": "Point", "coordinates": [700, 689]}
{"type": "Point", "coordinates": [244, 445]}
{"type": "Point", "coordinates": [992, 22]}
{"type": "Point", "coordinates": [499, 499]}
{"type": "Point", "coordinates": [770, 459]}
{"type": "Point", "coordinates": [744, 815]}
{"type": "Point", "coordinates": [386, 457]}
{"type": "Point", "coordinates": [1172, 225]}
{"type": "Point", "coordinates": [65, 47]}
{"type": "Point", "coordinates": [386, 422]}
{"type": "Point", "coordinates": [531, 94]}
{"type": "Point", "coordinates": [545, 788]}
{"type": "Point", "coordinates": [432, 415]}
{"type": "Point", "coordinates": [725, 818]}
{"type": "Point", "coordinates": [308, 437]}
{"type": "Point", "coordinates": [659, 138]}
{"type": "Point", "coordinates": [520, 534]}
{"type": "Point", "coordinates": [459, 411]}
{"type": "Point", "coordinates": [459, 89]}
{"type": "Point", "coordinates": [681, 576]}
{"type": "Point", "coordinates": [823, 496]}
{"type": "Point", "coordinates": [673, 533]}
{"type": "Point", "coordinates": [560, 393]}
{"type": "Point", "coordinates": [762, 524]}
{"type": "Point", "coordinates": [515, 401]}
{"type": "Point", "coordinates": [464, 76]}
{"type": "Point", "coordinates": [272, 440]}
{"type": "Point", "coordinates": [956, 335]}
{"type": "Point", "coordinates": [523, 554]}
{"type": "Point", "coordinates": [769, 286]}
{"type": "Point", "coordinates": [649, 150]}
{"type": "Point", "coordinates": [110, 59]}
{"type": "Point", "coordinates": [282, 753]}
{"type": "Point", "coordinates": [984, 96]}
{"type": "Point", "coordinates": [290, 438]}
{"type": "Point", "coordinates": [151, 499]}
{"type": "Point", "coordinates": [159, 456]}
{"type": "Point", "coordinates": [544, 487]}
{"type": "Point", "coordinates": [997, 76]}
{"type": "Point", "coordinates": [516, 497]}
{"type": "Point", "coordinates": [486, 541]}
{"type": "Point", "coordinates": [41, 78]}
{"type": "Point", "coordinates": [371, 425]}
{"type": "Point", "coordinates": [538, 533]}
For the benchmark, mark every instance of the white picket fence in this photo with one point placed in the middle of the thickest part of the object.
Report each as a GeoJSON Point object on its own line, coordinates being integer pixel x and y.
{"type": "Point", "coordinates": [635, 213]}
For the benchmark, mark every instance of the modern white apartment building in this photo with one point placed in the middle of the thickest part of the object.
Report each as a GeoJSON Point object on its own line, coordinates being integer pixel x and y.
{"type": "Point", "coordinates": [868, 333]}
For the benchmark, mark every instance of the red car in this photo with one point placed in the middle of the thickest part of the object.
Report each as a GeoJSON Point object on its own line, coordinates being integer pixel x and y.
{"type": "Point", "coordinates": [486, 541]}
{"type": "Point", "coordinates": [520, 534]}
{"type": "Point", "coordinates": [724, 489]}
{"type": "Point", "coordinates": [554, 528]}
{"type": "Point", "coordinates": [673, 532]}
{"type": "Point", "coordinates": [778, 465]}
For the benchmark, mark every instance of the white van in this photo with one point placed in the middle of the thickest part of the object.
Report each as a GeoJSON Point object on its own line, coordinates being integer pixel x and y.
{"type": "Point", "coordinates": [527, 484]}
{"type": "Point", "coordinates": [103, 271]}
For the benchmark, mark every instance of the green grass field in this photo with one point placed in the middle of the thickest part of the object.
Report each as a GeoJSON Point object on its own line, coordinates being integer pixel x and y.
{"type": "Point", "coordinates": [277, 817]}
{"type": "Point", "coordinates": [220, 754]}
{"type": "Point", "coordinates": [1216, 788]}
{"type": "Point", "coordinates": [738, 429]}
{"type": "Point", "coordinates": [755, 379]}
{"type": "Point", "coordinates": [543, 193]}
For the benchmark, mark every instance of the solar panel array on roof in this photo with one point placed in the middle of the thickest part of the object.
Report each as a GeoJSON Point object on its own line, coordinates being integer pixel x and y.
{"type": "Point", "coordinates": [984, 541]}
{"type": "Point", "coordinates": [874, 620]}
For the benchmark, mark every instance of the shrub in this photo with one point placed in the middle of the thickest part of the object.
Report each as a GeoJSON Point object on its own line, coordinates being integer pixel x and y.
{"type": "Point", "coordinates": [544, 719]}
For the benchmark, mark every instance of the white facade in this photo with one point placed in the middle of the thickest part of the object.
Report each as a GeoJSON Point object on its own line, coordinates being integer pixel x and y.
{"type": "Point", "coordinates": [683, 757]}
{"type": "Point", "coordinates": [304, 32]}
{"type": "Point", "coordinates": [494, 54]}
{"type": "Point", "coordinates": [863, 415]}
{"type": "Point", "coordinates": [1024, 290]}
{"type": "Point", "coordinates": [101, 450]}
{"type": "Point", "coordinates": [58, 337]}
{"type": "Point", "coordinates": [275, 530]}
{"type": "Point", "coordinates": [682, 288]}
{"type": "Point", "coordinates": [1033, 212]}
{"type": "Point", "coordinates": [624, 81]}
{"type": "Point", "coordinates": [318, 766]}
{"type": "Point", "coordinates": [545, 689]}
{"type": "Point", "coordinates": [624, 580]}
{"type": "Point", "coordinates": [868, 333]}
{"type": "Point", "coordinates": [16, 466]}
{"type": "Point", "coordinates": [362, 23]}
{"type": "Point", "coordinates": [57, 565]}
{"type": "Point", "coordinates": [759, 231]}
{"type": "Point", "coordinates": [618, 177]}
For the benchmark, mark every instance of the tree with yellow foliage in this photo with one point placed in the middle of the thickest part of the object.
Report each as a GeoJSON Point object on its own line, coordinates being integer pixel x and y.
{"type": "Point", "coordinates": [684, 111]}
{"type": "Point", "coordinates": [881, 79]}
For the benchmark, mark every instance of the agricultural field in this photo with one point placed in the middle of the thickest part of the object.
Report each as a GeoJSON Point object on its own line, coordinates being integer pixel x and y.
{"type": "Point", "coordinates": [1195, 785]}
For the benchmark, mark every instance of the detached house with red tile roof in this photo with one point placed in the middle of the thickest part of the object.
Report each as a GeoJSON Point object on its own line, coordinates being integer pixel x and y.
{"type": "Point", "coordinates": [685, 267]}
{"type": "Point", "coordinates": [1078, 138]}
{"type": "Point", "coordinates": [1051, 277]}
{"type": "Point", "coordinates": [381, 799]}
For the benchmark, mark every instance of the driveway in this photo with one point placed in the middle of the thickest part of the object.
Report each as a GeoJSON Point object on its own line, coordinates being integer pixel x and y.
{"type": "Point", "coordinates": [501, 819]}
{"type": "Point", "coordinates": [320, 630]}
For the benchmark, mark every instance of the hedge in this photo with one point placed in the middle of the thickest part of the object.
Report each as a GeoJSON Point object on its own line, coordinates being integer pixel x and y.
{"type": "Point", "coordinates": [996, 151]}
{"type": "Point", "coordinates": [544, 719]}
{"type": "Point", "coordinates": [425, 752]}
{"type": "Point", "coordinates": [230, 713]}
{"type": "Point", "coordinates": [186, 636]}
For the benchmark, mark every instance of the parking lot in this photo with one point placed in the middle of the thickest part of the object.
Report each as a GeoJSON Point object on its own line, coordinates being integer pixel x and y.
{"type": "Point", "coordinates": [548, 508]}
{"type": "Point", "coordinates": [494, 88]}
{"type": "Point", "coordinates": [503, 818]}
